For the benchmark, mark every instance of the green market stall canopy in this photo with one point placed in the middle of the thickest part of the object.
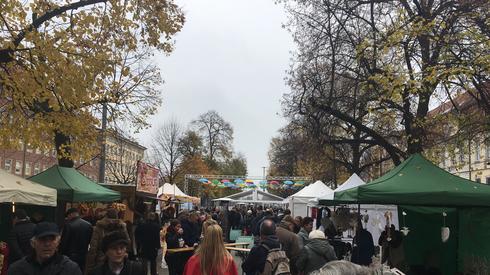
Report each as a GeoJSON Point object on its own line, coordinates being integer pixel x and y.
{"type": "Point", "coordinates": [72, 186]}
{"type": "Point", "coordinates": [417, 181]}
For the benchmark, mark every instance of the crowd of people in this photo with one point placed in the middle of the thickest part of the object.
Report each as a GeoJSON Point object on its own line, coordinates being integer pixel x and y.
{"type": "Point", "coordinates": [282, 244]}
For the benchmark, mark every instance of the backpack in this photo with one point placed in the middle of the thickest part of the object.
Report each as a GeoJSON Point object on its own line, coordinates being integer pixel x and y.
{"type": "Point", "coordinates": [277, 263]}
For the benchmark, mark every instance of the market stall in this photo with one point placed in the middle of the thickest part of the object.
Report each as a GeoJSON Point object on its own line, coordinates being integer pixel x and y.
{"type": "Point", "coordinates": [171, 191]}
{"type": "Point", "coordinates": [73, 186]}
{"type": "Point", "coordinates": [15, 189]}
{"type": "Point", "coordinates": [298, 202]}
{"type": "Point", "coordinates": [446, 217]}
{"type": "Point", "coordinates": [373, 214]}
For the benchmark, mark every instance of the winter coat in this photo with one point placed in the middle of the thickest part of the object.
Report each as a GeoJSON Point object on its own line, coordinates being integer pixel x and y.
{"type": "Point", "coordinates": [302, 238]}
{"type": "Point", "coordinates": [175, 261]}
{"type": "Point", "coordinates": [129, 268]}
{"type": "Point", "coordinates": [193, 267]}
{"type": "Point", "coordinates": [95, 256]}
{"type": "Point", "coordinates": [290, 244]}
{"type": "Point", "coordinates": [58, 264]}
{"type": "Point", "coordinates": [75, 239]}
{"type": "Point", "coordinates": [148, 235]}
{"type": "Point", "coordinates": [20, 240]}
{"type": "Point", "coordinates": [255, 262]}
{"type": "Point", "coordinates": [192, 232]}
{"type": "Point", "coordinates": [315, 254]}
{"type": "Point", "coordinates": [363, 249]}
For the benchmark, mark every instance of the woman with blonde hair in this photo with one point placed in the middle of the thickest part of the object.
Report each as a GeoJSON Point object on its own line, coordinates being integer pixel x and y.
{"type": "Point", "coordinates": [211, 257]}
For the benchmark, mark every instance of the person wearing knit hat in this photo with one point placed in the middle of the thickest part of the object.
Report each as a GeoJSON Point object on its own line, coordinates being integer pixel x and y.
{"type": "Point", "coordinates": [114, 246]}
{"type": "Point", "coordinates": [316, 253]}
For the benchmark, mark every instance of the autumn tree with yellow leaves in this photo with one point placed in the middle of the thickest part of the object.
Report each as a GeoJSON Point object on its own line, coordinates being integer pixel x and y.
{"type": "Point", "coordinates": [372, 68]}
{"type": "Point", "coordinates": [61, 61]}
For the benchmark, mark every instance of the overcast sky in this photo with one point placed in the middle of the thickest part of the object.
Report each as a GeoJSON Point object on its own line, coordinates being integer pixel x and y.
{"type": "Point", "coordinates": [231, 56]}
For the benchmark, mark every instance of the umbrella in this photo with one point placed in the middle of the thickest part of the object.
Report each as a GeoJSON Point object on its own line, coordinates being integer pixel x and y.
{"type": "Point", "coordinates": [288, 182]}
{"type": "Point", "coordinates": [274, 182]}
{"type": "Point", "coordinates": [215, 182]}
{"type": "Point", "coordinates": [225, 181]}
{"type": "Point", "coordinates": [238, 181]}
{"type": "Point", "coordinates": [203, 180]}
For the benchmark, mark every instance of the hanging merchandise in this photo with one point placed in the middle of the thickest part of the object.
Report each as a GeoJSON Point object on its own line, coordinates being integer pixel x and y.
{"type": "Point", "coordinates": [444, 229]}
{"type": "Point", "coordinates": [404, 229]}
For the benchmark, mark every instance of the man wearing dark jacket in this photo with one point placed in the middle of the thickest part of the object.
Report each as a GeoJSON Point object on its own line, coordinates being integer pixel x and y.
{"type": "Point", "coordinates": [75, 238]}
{"type": "Point", "coordinates": [192, 231]}
{"type": "Point", "coordinates": [316, 253]}
{"type": "Point", "coordinates": [44, 260]}
{"type": "Point", "coordinates": [20, 237]}
{"type": "Point", "coordinates": [148, 234]}
{"type": "Point", "coordinates": [255, 262]}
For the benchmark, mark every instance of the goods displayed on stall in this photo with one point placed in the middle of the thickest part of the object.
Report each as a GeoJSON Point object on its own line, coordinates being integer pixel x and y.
{"type": "Point", "coordinates": [15, 189]}
{"type": "Point", "coordinates": [430, 200]}
{"type": "Point", "coordinates": [72, 186]}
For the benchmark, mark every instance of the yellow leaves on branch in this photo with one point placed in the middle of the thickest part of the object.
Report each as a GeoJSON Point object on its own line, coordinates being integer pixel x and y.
{"type": "Point", "coordinates": [60, 73]}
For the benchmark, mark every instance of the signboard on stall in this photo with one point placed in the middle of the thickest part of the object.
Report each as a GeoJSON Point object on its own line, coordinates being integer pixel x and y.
{"type": "Point", "coordinates": [147, 180]}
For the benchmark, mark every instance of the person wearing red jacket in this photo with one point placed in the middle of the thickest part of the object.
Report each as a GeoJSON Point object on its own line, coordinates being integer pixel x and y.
{"type": "Point", "coordinates": [211, 257]}
{"type": "Point", "coordinates": [4, 257]}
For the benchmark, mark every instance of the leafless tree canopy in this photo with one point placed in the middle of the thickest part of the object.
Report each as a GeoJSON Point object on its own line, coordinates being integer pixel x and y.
{"type": "Point", "coordinates": [165, 149]}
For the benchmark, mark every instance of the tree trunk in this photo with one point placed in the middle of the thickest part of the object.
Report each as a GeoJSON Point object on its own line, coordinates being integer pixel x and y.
{"type": "Point", "coordinates": [63, 149]}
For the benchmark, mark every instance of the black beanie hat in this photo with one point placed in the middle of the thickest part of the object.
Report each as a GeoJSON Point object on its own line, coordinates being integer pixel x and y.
{"type": "Point", "coordinates": [114, 238]}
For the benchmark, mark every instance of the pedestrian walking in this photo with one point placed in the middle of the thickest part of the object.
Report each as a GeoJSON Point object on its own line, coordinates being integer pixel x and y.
{"type": "Point", "coordinates": [75, 238]}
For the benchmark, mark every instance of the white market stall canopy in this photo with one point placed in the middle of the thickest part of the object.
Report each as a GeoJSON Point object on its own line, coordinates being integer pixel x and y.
{"type": "Point", "coordinates": [254, 196]}
{"type": "Point", "coordinates": [298, 201]}
{"type": "Point", "coordinates": [376, 220]}
{"type": "Point", "coordinates": [19, 190]}
{"type": "Point", "coordinates": [167, 191]}
{"type": "Point", "coordinates": [353, 181]}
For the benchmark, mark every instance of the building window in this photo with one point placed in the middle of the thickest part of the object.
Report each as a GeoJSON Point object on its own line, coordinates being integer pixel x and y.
{"type": "Point", "coordinates": [8, 165]}
{"type": "Point", "coordinates": [18, 167]}
{"type": "Point", "coordinates": [37, 168]}
{"type": "Point", "coordinates": [478, 180]}
{"type": "Point", "coordinates": [477, 151]}
{"type": "Point", "coordinates": [488, 180]}
{"type": "Point", "coordinates": [28, 169]}
{"type": "Point", "coordinates": [461, 155]}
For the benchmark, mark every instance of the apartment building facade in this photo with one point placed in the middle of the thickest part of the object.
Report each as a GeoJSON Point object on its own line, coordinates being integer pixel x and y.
{"type": "Point", "coordinates": [122, 156]}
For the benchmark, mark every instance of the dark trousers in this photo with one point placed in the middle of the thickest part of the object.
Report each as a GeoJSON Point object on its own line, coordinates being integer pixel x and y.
{"type": "Point", "coordinates": [153, 265]}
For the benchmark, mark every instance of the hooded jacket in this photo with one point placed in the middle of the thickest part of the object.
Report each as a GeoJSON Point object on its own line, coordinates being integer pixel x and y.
{"type": "Point", "coordinates": [95, 256]}
{"type": "Point", "coordinates": [315, 254]}
{"type": "Point", "coordinates": [255, 262]}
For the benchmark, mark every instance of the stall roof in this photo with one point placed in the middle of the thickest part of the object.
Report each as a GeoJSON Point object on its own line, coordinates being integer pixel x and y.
{"type": "Point", "coordinates": [167, 191]}
{"type": "Point", "coordinates": [19, 190]}
{"type": "Point", "coordinates": [314, 190]}
{"type": "Point", "coordinates": [255, 196]}
{"type": "Point", "coordinates": [73, 186]}
{"type": "Point", "coordinates": [353, 181]}
{"type": "Point", "coordinates": [417, 181]}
